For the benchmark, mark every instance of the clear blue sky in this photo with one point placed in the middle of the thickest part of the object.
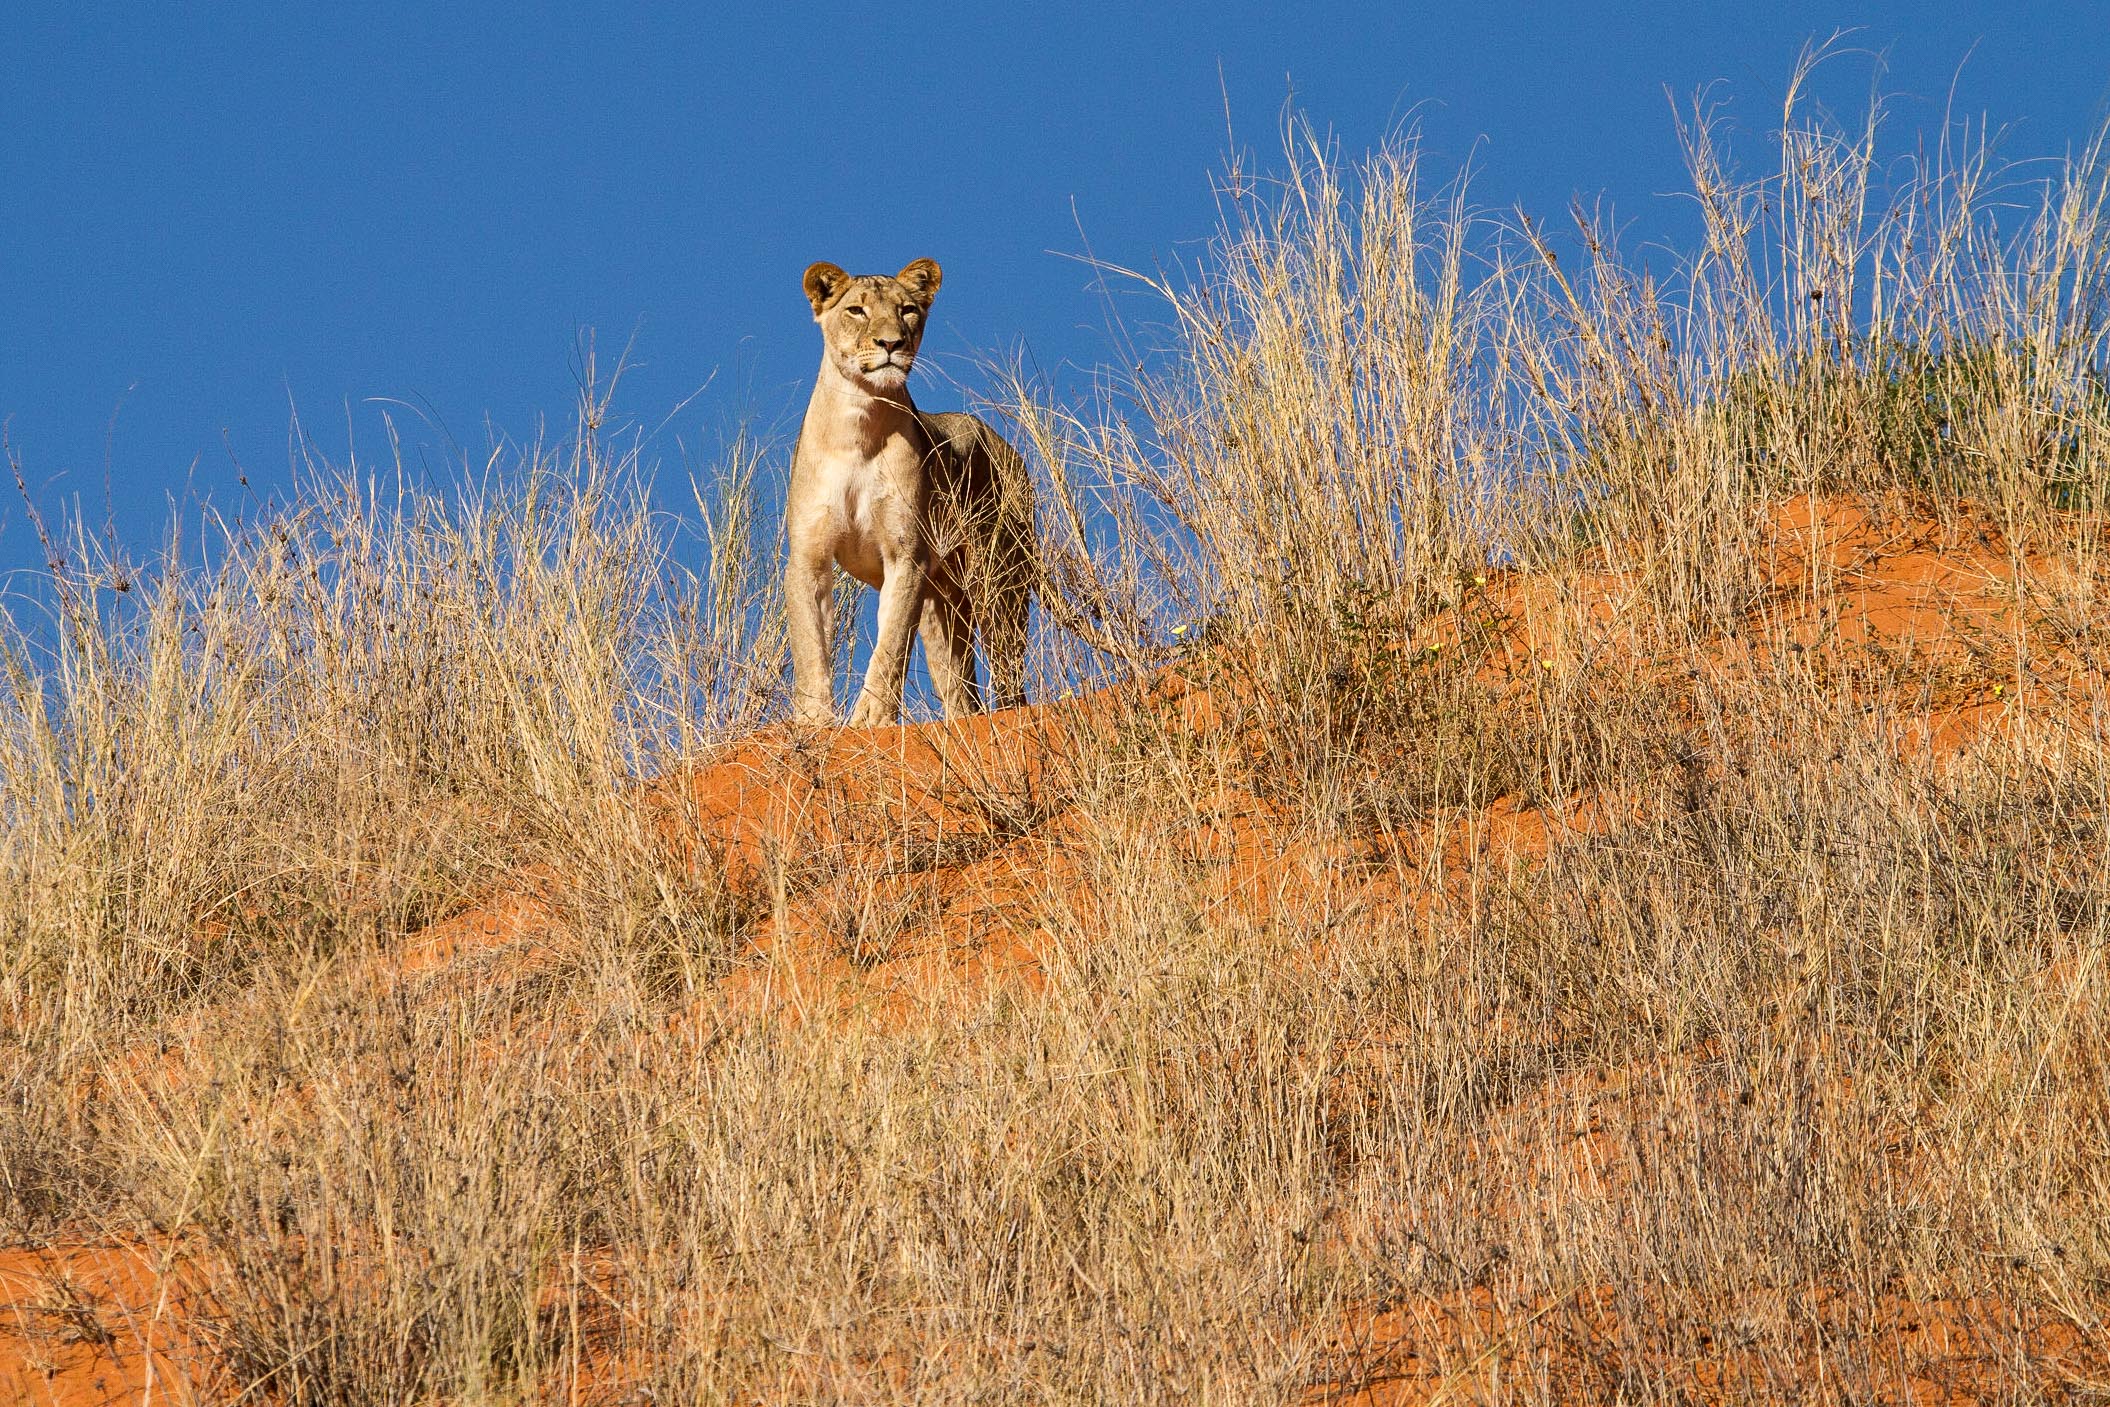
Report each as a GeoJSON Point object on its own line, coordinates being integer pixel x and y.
{"type": "Point", "coordinates": [214, 212]}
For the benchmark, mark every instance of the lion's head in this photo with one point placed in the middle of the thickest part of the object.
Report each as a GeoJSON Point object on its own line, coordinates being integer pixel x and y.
{"type": "Point", "coordinates": [871, 325]}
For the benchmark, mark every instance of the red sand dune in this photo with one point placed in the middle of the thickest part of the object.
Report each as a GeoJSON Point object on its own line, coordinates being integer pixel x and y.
{"type": "Point", "coordinates": [964, 826]}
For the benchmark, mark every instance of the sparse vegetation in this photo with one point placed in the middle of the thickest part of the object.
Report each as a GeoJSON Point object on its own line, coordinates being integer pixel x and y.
{"type": "Point", "coordinates": [1581, 877]}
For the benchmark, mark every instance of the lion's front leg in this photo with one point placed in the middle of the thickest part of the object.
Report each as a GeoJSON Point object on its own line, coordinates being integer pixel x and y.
{"type": "Point", "coordinates": [809, 611]}
{"type": "Point", "coordinates": [900, 603]}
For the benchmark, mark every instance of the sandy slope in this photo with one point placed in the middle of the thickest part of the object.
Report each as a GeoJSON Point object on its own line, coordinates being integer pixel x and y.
{"type": "Point", "coordinates": [943, 844]}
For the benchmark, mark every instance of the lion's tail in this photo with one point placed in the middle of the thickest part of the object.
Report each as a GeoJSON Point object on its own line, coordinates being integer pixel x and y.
{"type": "Point", "coordinates": [1015, 563]}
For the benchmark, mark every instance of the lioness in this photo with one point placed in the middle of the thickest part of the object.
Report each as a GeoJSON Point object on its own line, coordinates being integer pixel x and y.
{"type": "Point", "coordinates": [934, 510]}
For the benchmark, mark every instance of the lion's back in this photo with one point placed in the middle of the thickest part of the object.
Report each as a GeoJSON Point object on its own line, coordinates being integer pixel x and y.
{"type": "Point", "coordinates": [979, 467]}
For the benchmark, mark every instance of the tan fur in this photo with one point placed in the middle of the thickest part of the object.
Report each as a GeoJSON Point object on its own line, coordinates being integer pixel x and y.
{"type": "Point", "coordinates": [936, 511]}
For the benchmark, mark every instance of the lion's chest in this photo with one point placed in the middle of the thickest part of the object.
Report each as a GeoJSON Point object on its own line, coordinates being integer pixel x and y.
{"type": "Point", "coordinates": [869, 505]}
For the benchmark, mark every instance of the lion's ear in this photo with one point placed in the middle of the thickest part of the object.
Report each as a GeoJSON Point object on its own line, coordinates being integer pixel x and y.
{"type": "Point", "coordinates": [921, 279]}
{"type": "Point", "coordinates": [824, 284]}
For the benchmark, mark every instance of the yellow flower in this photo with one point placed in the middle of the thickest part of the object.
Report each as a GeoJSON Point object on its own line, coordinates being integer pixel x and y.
{"type": "Point", "coordinates": [1479, 580]}
{"type": "Point", "coordinates": [1179, 630]}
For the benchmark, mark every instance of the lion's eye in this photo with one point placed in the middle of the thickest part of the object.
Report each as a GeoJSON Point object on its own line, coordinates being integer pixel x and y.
{"type": "Point", "coordinates": [855, 312]}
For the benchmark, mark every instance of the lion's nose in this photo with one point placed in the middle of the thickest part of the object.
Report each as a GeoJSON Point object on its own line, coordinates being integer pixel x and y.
{"type": "Point", "coordinates": [889, 344]}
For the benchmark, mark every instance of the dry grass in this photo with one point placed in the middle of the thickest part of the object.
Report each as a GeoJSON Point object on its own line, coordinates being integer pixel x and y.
{"type": "Point", "coordinates": [1523, 965]}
